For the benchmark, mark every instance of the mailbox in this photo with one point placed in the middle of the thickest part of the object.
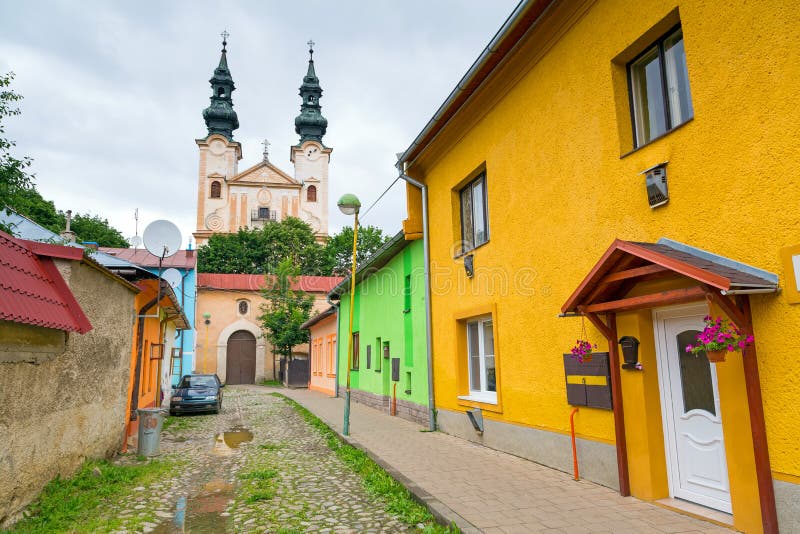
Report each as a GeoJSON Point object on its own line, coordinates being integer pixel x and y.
{"type": "Point", "coordinates": [386, 350]}
{"type": "Point", "coordinates": [395, 369]}
{"type": "Point", "coordinates": [588, 383]}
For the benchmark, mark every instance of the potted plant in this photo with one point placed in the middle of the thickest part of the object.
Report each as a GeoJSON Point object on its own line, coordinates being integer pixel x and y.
{"type": "Point", "coordinates": [582, 351]}
{"type": "Point", "coordinates": [718, 338]}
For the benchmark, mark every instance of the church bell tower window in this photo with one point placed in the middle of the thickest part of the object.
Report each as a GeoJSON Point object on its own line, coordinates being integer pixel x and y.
{"type": "Point", "coordinates": [216, 189]}
{"type": "Point", "coordinates": [311, 194]}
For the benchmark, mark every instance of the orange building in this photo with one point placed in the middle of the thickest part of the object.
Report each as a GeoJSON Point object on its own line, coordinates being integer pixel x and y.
{"type": "Point", "coordinates": [153, 342]}
{"type": "Point", "coordinates": [322, 332]}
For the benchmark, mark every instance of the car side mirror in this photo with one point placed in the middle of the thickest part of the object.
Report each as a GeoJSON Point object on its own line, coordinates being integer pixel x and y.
{"type": "Point", "coordinates": [222, 385]}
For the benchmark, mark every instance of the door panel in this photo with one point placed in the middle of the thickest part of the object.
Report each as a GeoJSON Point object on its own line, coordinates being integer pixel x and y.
{"type": "Point", "coordinates": [241, 358]}
{"type": "Point", "coordinates": [695, 445]}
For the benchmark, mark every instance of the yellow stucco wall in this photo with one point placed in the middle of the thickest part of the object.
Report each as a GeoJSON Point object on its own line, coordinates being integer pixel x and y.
{"type": "Point", "coordinates": [552, 129]}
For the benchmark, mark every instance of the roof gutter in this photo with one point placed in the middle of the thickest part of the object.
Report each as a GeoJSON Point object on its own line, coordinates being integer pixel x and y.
{"type": "Point", "coordinates": [438, 121]}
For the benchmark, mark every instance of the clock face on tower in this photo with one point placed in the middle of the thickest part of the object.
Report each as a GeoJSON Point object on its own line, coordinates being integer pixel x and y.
{"type": "Point", "coordinates": [312, 152]}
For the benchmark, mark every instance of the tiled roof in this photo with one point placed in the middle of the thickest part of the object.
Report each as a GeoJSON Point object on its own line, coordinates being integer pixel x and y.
{"type": "Point", "coordinates": [254, 282]}
{"type": "Point", "coordinates": [32, 291]}
{"type": "Point", "coordinates": [183, 259]}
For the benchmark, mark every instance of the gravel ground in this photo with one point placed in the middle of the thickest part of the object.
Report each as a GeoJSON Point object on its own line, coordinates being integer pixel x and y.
{"type": "Point", "coordinates": [255, 467]}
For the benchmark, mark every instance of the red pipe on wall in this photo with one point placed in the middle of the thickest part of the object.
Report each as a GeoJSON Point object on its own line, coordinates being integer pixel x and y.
{"type": "Point", "coordinates": [394, 399]}
{"type": "Point", "coordinates": [574, 448]}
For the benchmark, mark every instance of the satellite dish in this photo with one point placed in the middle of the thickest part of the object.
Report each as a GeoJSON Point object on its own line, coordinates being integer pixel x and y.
{"type": "Point", "coordinates": [135, 241]}
{"type": "Point", "coordinates": [162, 238]}
{"type": "Point", "coordinates": [173, 277]}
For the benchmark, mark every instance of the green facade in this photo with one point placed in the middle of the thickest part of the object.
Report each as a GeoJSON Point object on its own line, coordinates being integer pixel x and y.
{"type": "Point", "coordinates": [389, 318]}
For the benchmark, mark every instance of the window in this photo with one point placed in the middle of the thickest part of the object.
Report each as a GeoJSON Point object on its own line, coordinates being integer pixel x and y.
{"type": "Point", "coordinates": [216, 189]}
{"type": "Point", "coordinates": [311, 194]}
{"type": "Point", "coordinates": [659, 88]}
{"type": "Point", "coordinates": [474, 217]}
{"type": "Point", "coordinates": [354, 365]}
{"type": "Point", "coordinates": [244, 307]}
{"type": "Point", "coordinates": [263, 213]}
{"type": "Point", "coordinates": [481, 365]}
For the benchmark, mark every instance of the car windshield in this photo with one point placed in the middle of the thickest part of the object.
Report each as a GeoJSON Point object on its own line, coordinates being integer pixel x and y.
{"type": "Point", "coordinates": [197, 382]}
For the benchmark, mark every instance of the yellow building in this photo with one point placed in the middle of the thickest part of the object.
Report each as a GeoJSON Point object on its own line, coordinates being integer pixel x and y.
{"type": "Point", "coordinates": [625, 162]}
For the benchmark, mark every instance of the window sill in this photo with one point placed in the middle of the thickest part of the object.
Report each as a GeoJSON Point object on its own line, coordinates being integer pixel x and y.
{"type": "Point", "coordinates": [653, 140]}
{"type": "Point", "coordinates": [483, 399]}
{"type": "Point", "coordinates": [470, 251]}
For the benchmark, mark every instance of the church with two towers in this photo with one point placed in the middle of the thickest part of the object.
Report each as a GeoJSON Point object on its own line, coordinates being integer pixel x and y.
{"type": "Point", "coordinates": [228, 199]}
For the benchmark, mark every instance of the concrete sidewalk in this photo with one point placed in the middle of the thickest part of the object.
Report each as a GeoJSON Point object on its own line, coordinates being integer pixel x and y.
{"type": "Point", "coordinates": [483, 490]}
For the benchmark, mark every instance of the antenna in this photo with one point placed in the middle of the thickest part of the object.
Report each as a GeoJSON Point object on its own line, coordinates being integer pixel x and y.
{"type": "Point", "coordinates": [135, 241]}
{"type": "Point", "coordinates": [162, 239]}
{"type": "Point", "coordinates": [173, 277]}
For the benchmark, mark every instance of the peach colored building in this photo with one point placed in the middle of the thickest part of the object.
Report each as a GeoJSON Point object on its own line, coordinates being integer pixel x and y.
{"type": "Point", "coordinates": [322, 331]}
{"type": "Point", "coordinates": [230, 342]}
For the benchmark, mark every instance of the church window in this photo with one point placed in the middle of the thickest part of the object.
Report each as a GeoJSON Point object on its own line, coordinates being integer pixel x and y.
{"type": "Point", "coordinates": [311, 194]}
{"type": "Point", "coordinates": [244, 307]}
{"type": "Point", "coordinates": [221, 92]}
{"type": "Point", "coordinates": [310, 99]}
{"type": "Point", "coordinates": [216, 189]}
{"type": "Point", "coordinates": [263, 213]}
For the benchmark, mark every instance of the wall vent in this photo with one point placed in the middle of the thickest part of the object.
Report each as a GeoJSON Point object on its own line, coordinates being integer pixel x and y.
{"type": "Point", "coordinates": [656, 184]}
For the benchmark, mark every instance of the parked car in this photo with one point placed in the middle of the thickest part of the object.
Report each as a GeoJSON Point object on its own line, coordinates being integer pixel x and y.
{"type": "Point", "coordinates": [197, 393]}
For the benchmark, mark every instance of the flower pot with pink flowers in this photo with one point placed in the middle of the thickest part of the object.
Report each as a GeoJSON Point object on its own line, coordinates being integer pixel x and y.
{"type": "Point", "coordinates": [718, 338]}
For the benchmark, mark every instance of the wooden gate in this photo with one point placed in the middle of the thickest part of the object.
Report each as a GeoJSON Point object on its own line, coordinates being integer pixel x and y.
{"type": "Point", "coordinates": [241, 358]}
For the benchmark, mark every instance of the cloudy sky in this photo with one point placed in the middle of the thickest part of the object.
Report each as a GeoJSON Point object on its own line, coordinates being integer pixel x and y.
{"type": "Point", "coordinates": [114, 92]}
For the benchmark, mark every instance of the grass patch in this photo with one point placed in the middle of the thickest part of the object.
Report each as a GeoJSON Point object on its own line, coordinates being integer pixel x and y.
{"type": "Point", "coordinates": [71, 504]}
{"type": "Point", "coordinates": [173, 423]}
{"type": "Point", "coordinates": [399, 501]}
{"type": "Point", "coordinates": [272, 383]}
{"type": "Point", "coordinates": [260, 488]}
{"type": "Point", "coordinates": [272, 446]}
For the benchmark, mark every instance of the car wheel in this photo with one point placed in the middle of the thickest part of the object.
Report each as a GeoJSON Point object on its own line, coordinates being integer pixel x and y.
{"type": "Point", "coordinates": [218, 408]}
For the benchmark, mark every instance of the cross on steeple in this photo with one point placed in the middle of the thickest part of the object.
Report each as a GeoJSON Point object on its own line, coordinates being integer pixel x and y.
{"type": "Point", "coordinates": [311, 44]}
{"type": "Point", "coordinates": [225, 36]}
{"type": "Point", "coordinates": [266, 144]}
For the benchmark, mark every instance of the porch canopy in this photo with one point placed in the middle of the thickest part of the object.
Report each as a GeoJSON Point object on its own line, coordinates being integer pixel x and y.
{"type": "Point", "coordinates": [701, 275]}
{"type": "Point", "coordinates": [627, 263]}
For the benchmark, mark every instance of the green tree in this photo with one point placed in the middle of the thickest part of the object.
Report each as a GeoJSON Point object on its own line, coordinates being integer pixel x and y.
{"type": "Point", "coordinates": [261, 250]}
{"type": "Point", "coordinates": [339, 249]}
{"type": "Point", "coordinates": [14, 179]}
{"type": "Point", "coordinates": [286, 309]}
{"type": "Point", "coordinates": [95, 228]}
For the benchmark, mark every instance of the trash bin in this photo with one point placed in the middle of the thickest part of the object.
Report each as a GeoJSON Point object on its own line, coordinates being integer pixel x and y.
{"type": "Point", "coordinates": [150, 422]}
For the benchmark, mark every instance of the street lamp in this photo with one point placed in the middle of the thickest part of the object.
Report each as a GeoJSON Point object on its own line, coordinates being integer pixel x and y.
{"type": "Point", "coordinates": [349, 205]}
{"type": "Point", "coordinates": [207, 321]}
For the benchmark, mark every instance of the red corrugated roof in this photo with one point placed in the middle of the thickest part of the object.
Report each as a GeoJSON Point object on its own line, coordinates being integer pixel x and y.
{"type": "Point", "coordinates": [183, 259]}
{"type": "Point", "coordinates": [254, 282]}
{"type": "Point", "coordinates": [32, 291]}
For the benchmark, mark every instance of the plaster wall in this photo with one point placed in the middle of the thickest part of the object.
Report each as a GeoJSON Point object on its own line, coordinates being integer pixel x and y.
{"type": "Point", "coordinates": [323, 355]}
{"type": "Point", "coordinates": [70, 406]}
{"type": "Point", "coordinates": [552, 130]}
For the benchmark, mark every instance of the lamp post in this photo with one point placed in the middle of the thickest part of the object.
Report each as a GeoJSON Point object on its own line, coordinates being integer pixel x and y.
{"type": "Point", "coordinates": [349, 205]}
{"type": "Point", "coordinates": [207, 321]}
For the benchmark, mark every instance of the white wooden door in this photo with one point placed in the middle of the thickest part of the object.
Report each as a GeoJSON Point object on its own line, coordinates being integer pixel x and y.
{"type": "Point", "coordinates": [693, 436]}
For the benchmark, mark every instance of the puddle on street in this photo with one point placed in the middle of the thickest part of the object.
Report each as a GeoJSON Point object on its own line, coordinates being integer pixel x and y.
{"type": "Point", "coordinates": [200, 514]}
{"type": "Point", "coordinates": [225, 442]}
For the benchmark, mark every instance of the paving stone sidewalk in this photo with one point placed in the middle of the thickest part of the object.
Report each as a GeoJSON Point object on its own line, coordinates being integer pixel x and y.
{"type": "Point", "coordinates": [483, 490]}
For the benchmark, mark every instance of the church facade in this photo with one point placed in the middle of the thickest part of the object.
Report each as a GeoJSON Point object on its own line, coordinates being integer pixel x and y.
{"type": "Point", "coordinates": [227, 199]}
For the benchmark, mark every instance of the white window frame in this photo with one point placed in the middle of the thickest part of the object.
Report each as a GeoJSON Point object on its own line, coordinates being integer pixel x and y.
{"type": "Point", "coordinates": [482, 395]}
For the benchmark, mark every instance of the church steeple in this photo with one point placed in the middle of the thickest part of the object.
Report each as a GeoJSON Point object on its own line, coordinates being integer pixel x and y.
{"type": "Point", "coordinates": [219, 116]}
{"type": "Point", "coordinates": [310, 124]}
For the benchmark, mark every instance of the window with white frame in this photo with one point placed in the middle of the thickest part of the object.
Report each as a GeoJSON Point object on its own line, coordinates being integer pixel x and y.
{"type": "Point", "coordinates": [474, 214]}
{"type": "Point", "coordinates": [481, 362]}
{"type": "Point", "coordinates": [659, 88]}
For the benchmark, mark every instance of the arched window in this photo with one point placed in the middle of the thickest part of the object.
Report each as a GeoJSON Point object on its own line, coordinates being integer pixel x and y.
{"type": "Point", "coordinates": [244, 306]}
{"type": "Point", "coordinates": [311, 194]}
{"type": "Point", "coordinates": [216, 189]}
{"type": "Point", "coordinates": [221, 92]}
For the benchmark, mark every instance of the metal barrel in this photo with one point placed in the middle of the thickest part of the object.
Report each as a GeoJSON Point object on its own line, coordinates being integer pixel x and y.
{"type": "Point", "coordinates": [150, 422]}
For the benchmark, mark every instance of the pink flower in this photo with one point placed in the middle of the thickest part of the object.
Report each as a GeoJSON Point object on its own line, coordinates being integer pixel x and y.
{"type": "Point", "coordinates": [750, 339]}
{"type": "Point", "coordinates": [688, 348]}
{"type": "Point", "coordinates": [731, 348]}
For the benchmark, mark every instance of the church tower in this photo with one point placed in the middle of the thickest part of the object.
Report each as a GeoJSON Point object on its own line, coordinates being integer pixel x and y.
{"type": "Point", "coordinates": [219, 154]}
{"type": "Point", "coordinates": [310, 156]}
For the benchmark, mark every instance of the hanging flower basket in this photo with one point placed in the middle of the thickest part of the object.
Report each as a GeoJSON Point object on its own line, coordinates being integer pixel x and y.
{"type": "Point", "coordinates": [582, 351]}
{"type": "Point", "coordinates": [718, 338]}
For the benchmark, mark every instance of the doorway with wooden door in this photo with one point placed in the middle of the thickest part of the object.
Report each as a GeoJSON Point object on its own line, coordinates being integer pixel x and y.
{"type": "Point", "coordinates": [697, 467]}
{"type": "Point", "coordinates": [241, 358]}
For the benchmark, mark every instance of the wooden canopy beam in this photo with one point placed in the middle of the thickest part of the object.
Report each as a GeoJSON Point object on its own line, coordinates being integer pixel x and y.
{"type": "Point", "coordinates": [729, 307]}
{"type": "Point", "coordinates": [632, 273]}
{"type": "Point", "coordinates": [662, 298]}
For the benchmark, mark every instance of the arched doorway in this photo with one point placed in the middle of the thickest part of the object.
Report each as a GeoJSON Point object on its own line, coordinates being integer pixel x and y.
{"type": "Point", "coordinates": [241, 358]}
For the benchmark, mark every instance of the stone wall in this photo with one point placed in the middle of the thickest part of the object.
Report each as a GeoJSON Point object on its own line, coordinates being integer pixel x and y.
{"type": "Point", "coordinates": [70, 404]}
{"type": "Point", "coordinates": [407, 410]}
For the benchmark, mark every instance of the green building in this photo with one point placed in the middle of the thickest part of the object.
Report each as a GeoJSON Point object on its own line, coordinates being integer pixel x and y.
{"type": "Point", "coordinates": [389, 335]}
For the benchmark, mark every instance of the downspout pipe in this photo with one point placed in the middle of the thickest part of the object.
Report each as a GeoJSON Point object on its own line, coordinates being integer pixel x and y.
{"type": "Point", "coordinates": [427, 259]}
{"type": "Point", "coordinates": [336, 358]}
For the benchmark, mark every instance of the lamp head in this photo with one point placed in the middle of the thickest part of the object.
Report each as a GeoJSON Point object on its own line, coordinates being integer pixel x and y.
{"type": "Point", "coordinates": [349, 204]}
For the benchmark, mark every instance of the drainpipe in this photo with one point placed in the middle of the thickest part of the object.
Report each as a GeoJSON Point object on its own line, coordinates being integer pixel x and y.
{"type": "Point", "coordinates": [427, 258]}
{"type": "Point", "coordinates": [336, 380]}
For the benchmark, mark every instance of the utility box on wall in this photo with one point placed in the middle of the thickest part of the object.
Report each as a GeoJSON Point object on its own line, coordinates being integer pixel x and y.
{"type": "Point", "coordinates": [588, 383]}
{"type": "Point", "coordinates": [395, 369]}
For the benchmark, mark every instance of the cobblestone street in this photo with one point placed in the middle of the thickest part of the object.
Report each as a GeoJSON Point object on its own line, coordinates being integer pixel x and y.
{"type": "Point", "coordinates": [256, 467]}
